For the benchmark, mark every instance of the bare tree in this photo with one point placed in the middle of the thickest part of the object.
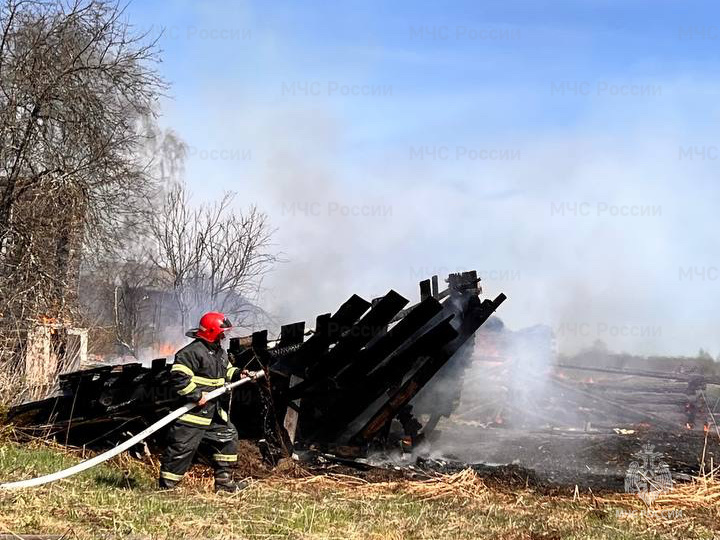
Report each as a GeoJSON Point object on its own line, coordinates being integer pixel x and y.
{"type": "Point", "coordinates": [213, 257]}
{"type": "Point", "coordinates": [74, 85]}
{"type": "Point", "coordinates": [125, 299]}
{"type": "Point", "coordinates": [166, 152]}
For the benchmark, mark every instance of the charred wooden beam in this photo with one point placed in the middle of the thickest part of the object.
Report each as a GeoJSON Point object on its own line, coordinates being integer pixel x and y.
{"type": "Point", "coordinates": [350, 343]}
{"type": "Point", "coordinates": [368, 359]}
{"type": "Point", "coordinates": [435, 288]}
{"type": "Point", "coordinates": [349, 401]}
{"type": "Point", "coordinates": [430, 366]}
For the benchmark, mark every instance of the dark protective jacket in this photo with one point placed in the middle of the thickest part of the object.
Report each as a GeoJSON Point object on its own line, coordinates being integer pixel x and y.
{"type": "Point", "coordinates": [201, 367]}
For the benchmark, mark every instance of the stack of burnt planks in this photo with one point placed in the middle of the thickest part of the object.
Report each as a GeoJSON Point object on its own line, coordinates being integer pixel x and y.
{"type": "Point", "coordinates": [363, 365]}
{"type": "Point", "coordinates": [100, 405]}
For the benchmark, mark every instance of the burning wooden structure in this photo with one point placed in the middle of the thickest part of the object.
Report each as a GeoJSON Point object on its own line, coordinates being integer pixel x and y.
{"type": "Point", "coordinates": [337, 387]}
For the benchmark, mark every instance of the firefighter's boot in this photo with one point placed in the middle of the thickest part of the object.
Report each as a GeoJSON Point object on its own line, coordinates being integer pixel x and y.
{"type": "Point", "coordinates": [225, 483]}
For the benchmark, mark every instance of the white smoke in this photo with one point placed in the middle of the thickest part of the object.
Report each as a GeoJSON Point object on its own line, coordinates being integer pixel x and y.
{"type": "Point", "coordinates": [599, 234]}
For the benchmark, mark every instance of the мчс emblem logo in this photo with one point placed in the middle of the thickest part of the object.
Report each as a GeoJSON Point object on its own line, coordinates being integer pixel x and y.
{"type": "Point", "coordinates": [650, 478]}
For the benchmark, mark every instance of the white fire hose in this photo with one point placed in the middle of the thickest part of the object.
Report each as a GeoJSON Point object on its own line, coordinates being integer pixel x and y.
{"type": "Point", "coordinates": [97, 460]}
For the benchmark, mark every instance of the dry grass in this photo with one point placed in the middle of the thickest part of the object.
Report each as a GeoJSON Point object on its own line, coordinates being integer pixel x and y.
{"type": "Point", "coordinates": [465, 485]}
{"type": "Point", "coordinates": [15, 389]}
{"type": "Point", "coordinates": [702, 492]}
{"type": "Point", "coordinates": [119, 499]}
{"type": "Point", "coordinates": [8, 389]}
{"type": "Point", "coordinates": [689, 507]}
{"type": "Point", "coordinates": [686, 507]}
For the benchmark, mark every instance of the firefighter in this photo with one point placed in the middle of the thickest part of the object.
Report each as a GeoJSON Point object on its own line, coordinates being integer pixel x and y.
{"type": "Point", "coordinates": [200, 367]}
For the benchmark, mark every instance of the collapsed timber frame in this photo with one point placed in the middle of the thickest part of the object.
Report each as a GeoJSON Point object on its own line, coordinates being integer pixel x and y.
{"type": "Point", "coordinates": [335, 388]}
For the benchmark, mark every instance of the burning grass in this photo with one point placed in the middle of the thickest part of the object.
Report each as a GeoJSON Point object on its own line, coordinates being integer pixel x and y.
{"type": "Point", "coordinates": [119, 499]}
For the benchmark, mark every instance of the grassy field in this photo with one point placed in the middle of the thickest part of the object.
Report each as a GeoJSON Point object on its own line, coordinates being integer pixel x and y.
{"type": "Point", "coordinates": [119, 500]}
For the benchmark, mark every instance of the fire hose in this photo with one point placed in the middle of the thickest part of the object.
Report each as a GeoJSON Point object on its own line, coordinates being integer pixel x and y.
{"type": "Point", "coordinates": [97, 460]}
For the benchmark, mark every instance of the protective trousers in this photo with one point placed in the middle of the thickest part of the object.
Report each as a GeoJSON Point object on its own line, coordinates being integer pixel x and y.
{"type": "Point", "coordinates": [217, 442]}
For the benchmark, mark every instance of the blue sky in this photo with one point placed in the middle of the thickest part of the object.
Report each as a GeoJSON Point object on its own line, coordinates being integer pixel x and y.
{"type": "Point", "coordinates": [508, 136]}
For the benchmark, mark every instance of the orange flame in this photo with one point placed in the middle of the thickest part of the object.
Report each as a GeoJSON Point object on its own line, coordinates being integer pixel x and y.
{"type": "Point", "coordinates": [165, 349]}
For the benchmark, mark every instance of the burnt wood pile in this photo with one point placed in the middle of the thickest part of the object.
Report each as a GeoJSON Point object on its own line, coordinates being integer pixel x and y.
{"type": "Point", "coordinates": [629, 397]}
{"type": "Point", "coordinates": [336, 387]}
{"type": "Point", "coordinates": [516, 381]}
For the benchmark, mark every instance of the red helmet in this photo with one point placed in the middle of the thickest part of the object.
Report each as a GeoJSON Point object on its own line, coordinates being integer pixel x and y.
{"type": "Point", "coordinates": [212, 326]}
